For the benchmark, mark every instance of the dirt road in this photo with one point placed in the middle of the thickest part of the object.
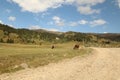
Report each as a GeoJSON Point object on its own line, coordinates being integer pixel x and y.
{"type": "Point", "coordinates": [103, 64]}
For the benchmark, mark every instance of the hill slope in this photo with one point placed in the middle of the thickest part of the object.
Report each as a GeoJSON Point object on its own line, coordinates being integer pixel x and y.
{"type": "Point", "coordinates": [12, 35]}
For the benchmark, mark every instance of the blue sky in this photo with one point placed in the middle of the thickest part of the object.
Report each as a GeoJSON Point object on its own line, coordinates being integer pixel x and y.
{"type": "Point", "coordinates": [98, 16]}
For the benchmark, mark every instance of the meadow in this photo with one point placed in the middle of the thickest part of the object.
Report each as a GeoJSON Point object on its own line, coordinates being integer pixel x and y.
{"type": "Point", "coordinates": [14, 57]}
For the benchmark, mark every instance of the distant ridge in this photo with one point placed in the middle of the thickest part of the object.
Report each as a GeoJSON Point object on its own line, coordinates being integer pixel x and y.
{"type": "Point", "coordinates": [10, 34]}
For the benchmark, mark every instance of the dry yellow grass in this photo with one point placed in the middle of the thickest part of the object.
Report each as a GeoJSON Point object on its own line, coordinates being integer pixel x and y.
{"type": "Point", "coordinates": [14, 57]}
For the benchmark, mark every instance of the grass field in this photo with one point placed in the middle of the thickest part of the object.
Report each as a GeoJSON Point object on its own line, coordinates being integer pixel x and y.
{"type": "Point", "coordinates": [14, 57]}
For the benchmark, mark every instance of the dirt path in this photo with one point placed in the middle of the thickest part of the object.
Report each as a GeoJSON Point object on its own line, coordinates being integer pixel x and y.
{"type": "Point", "coordinates": [104, 64]}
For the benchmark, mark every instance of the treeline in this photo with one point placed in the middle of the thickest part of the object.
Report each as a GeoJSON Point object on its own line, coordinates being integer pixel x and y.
{"type": "Point", "coordinates": [12, 35]}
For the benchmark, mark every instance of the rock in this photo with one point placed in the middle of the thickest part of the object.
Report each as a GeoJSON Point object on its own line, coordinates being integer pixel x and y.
{"type": "Point", "coordinates": [24, 65]}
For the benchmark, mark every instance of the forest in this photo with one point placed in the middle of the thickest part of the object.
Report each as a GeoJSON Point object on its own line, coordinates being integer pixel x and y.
{"type": "Point", "coordinates": [25, 36]}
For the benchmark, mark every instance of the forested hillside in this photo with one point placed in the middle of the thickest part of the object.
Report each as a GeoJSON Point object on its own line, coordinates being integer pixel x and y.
{"type": "Point", "coordinates": [12, 35]}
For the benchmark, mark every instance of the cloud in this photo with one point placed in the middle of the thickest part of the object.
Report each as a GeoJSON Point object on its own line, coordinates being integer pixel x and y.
{"type": "Point", "coordinates": [10, 1]}
{"type": "Point", "coordinates": [36, 6]}
{"type": "Point", "coordinates": [73, 24]}
{"type": "Point", "coordinates": [89, 2]}
{"type": "Point", "coordinates": [86, 10]}
{"type": "Point", "coordinates": [52, 29]}
{"type": "Point", "coordinates": [98, 22]}
{"type": "Point", "coordinates": [83, 22]}
{"type": "Point", "coordinates": [118, 2]}
{"type": "Point", "coordinates": [69, 1]}
{"type": "Point", "coordinates": [62, 22]}
{"type": "Point", "coordinates": [56, 18]}
{"type": "Point", "coordinates": [11, 18]}
{"type": "Point", "coordinates": [50, 23]}
{"type": "Point", "coordinates": [58, 21]}
{"type": "Point", "coordinates": [11, 25]}
{"type": "Point", "coordinates": [44, 14]}
{"type": "Point", "coordinates": [93, 23]}
{"type": "Point", "coordinates": [34, 27]}
{"type": "Point", "coordinates": [1, 22]}
{"type": "Point", "coordinates": [8, 10]}
{"type": "Point", "coordinates": [77, 23]}
{"type": "Point", "coordinates": [85, 6]}
{"type": "Point", "coordinates": [105, 32]}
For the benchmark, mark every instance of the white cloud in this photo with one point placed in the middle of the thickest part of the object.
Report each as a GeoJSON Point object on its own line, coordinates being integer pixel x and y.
{"type": "Point", "coordinates": [52, 29]}
{"type": "Point", "coordinates": [73, 24]}
{"type": "Point", "coordinates": [105, 32]}
{"type": "Point", "coordinates": [69, 1]}
{"type": "Point", "coordinates": [61, 22]}
{"type": "Point", "coordinates": [8, 10]}
{"type": "Point", "coordinates": [11, 25]}
{"type": "Point", "coordinates": [34, 27]}
{"type": "Point", "coordinates": [77, 23]}
{"type": "Point", "coordinates": [86, 10]}
{"type": "Point", "coordinates": [1, 22]}
{"type": "Point", "coordinates": [89, 2]}
{"type": "Point", "coordinates": [85, 6]}
{"type": "Point", "coordinates": [58, 21]}
{"type": "Point", "coordinates": [118, 2]}
{"type": "Point", "coordinates": [50, 23]}
{"type": "Point", "coordinates": [98, 22]}
{"type": "Point", "coordinates": [11, 18]}
{"type": "Point", "coordinates": [44, 14]}
{"type": "Point", "coordinates": [83, 22]}
{"type": "Point", "coordinates": [56, 18]}
{"type": "Point", "coordinates": [36, 6]}
{"type": "Point", "coordinates": [10, 1]}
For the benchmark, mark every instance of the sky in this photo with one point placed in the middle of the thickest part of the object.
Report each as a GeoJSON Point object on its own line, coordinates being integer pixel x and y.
{"type": "Point", "coordinates": [88, 16]}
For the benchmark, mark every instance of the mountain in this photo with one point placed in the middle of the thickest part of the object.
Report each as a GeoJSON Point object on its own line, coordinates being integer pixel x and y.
{"type": "Point", "coordinates": [12, 35]}
{"type": "Point", "coordinates": [110, 36]}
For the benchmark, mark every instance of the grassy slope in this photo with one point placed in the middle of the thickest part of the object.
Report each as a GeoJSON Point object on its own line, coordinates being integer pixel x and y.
{"type": "Point", "coordinates": [13, 55]}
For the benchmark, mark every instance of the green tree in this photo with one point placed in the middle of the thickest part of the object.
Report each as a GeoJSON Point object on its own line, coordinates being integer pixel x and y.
{"type": "Point", "coordinates": [1, 34]}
